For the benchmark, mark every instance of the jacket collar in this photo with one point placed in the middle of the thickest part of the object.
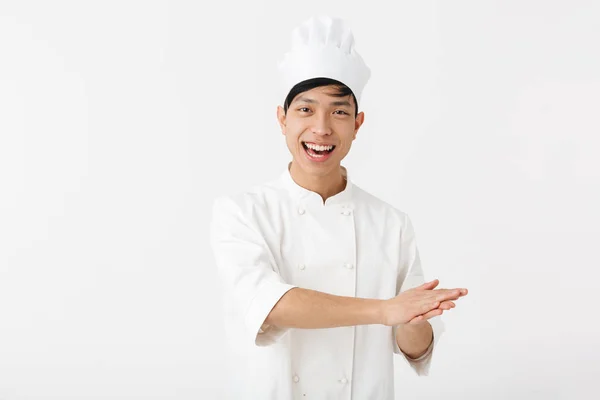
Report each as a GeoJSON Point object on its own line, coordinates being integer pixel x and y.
{"type": "Point", "coordinates": [298, 192]}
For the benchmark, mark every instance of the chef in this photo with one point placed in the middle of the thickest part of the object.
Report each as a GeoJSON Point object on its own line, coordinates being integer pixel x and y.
{"type": "Point", "coordinates": [322, 280]}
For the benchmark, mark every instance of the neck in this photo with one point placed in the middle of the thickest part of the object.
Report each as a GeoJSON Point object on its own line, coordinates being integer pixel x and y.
{"type": "Point", "coordinates": [326, 185]}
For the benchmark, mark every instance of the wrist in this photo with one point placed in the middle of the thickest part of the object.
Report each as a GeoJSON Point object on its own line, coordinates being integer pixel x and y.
{"type": "Point", "coordinates": [380, 312]}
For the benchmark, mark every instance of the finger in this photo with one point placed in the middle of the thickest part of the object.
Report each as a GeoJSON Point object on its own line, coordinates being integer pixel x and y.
{"type": "Point", "coordinates": [426, 316]}
{"type": "Point", "coordinates": [428, 306]}
{"type": "Point", "coordinates": [458, 291]}
{"type": "Point", "coordinates": [433, 313]}
{"type": "Point", "coordinates": [448, 294]}
{"type": "Point", "coordinates": [416, 320]}
{"type": "Point", "coordinates": [446, 305]}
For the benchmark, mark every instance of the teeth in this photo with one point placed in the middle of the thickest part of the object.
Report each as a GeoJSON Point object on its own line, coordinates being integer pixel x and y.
{"type": "Point", "coordinates": [318, 148]}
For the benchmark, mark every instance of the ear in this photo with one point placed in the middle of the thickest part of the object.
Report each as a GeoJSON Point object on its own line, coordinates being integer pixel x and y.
{"type": "Point", "coordinates": [281, 119]}
{"type": "Point", "coordinates": [358, 121]}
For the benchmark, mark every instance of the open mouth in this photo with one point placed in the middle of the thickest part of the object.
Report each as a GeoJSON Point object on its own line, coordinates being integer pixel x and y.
{"type": "Point", "coordinates": [318, 152]}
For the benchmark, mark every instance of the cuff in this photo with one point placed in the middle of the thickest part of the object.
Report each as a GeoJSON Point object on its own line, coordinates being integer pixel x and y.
{"type": "Point", "coordinates": [422, 365]}
{"type": "Point", "coordinates": [261, 305]}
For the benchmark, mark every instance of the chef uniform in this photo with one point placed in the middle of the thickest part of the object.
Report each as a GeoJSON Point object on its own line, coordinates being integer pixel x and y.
{"type": "Point", "coordinates": [277, 236]}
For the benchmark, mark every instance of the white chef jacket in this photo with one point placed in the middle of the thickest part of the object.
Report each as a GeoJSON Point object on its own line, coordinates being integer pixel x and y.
{"type": "Point", "coordinates": [279, 235]}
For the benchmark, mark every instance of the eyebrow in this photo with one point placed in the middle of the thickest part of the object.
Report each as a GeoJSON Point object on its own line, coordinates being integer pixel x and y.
{"type": "Point", "coordinates": [333, 103]}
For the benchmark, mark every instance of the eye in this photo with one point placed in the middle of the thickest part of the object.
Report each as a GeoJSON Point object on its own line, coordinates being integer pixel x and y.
{"type": "Point", "coordinates": [304, 108]}
{"type": "Point", "coordinates": [342, 111]}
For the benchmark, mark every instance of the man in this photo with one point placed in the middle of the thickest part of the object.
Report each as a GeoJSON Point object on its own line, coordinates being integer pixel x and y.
{"type": "Point", "coordinates": [322, 280]}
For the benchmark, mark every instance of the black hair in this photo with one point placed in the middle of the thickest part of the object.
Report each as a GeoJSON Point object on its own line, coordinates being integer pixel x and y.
{"type": "Point", "coordinates": [304, 86]}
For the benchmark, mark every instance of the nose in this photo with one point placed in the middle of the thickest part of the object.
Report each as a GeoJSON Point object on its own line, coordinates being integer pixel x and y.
{"type": "Point", "coordinates": [321, 125]}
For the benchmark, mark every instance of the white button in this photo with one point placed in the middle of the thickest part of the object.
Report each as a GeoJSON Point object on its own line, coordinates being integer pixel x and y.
{"type": "Point", "coordinates": [349, 266]}
{"type": "Point", "coordinates": [346, 212]}
{"type": "Point", "coordinates": [296, 379]}
{"type": "Point", "coordinates": [301, 211]}
{"type": "Point", "coordinates": [344, 380]}
{"type": "Point", "coordinates": [301, 266]}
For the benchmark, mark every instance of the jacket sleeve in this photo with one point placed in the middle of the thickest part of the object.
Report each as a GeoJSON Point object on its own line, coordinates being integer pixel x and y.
{"type": "Point", "coordinates": [410, 276]}
{"type": "Point", "coordinates": [247, 271]}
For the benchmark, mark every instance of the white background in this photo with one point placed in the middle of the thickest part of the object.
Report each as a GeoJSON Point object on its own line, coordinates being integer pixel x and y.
{"type": "Point", "coordinates": [120, 121]}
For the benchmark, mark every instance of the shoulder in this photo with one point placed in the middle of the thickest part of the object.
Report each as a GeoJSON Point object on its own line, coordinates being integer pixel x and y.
{"type": "Point", "coordinates": [247, 202]}
{"type": "Point", "coordinates": [377, 207]}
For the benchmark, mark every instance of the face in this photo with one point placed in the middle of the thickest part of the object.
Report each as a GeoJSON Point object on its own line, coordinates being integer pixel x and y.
{"type": "Point", "coordinates": [317, 118]}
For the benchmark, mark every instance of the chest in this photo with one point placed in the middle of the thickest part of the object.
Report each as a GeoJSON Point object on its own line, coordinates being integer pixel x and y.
{"type": "Point", "coordinates": [340, 249]}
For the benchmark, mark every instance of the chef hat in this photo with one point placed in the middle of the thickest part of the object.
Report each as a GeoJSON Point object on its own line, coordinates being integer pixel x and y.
{"type": "Point", "coordinates": [323, 47]}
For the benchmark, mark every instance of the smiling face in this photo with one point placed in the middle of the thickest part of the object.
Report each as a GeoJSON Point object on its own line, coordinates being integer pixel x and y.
{"type": "Point", "coordinates": [319, 128]}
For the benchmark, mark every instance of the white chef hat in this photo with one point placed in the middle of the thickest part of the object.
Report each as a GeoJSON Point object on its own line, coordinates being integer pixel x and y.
{"type": "Point", "coordinates": [323, 47]}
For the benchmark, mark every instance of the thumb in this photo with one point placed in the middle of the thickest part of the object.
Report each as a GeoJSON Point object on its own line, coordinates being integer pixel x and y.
{"type": "Point", "coordinates": [428, 285]}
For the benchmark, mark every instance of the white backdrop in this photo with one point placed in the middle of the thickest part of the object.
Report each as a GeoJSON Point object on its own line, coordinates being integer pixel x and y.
{"type": "Point", "coordinates": [120, 121]}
